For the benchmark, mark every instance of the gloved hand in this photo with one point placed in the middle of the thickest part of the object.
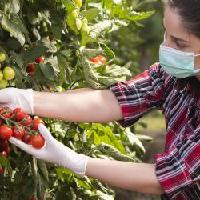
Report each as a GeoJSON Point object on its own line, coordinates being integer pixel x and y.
{"type": "Point", "coordinates": [14, 97]}
{"type": "Point", "coordinates": [55, 152]}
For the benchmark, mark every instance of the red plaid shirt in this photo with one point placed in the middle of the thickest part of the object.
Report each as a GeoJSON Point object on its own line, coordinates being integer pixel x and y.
{"type": "Point", "coordinates": [178, 168]}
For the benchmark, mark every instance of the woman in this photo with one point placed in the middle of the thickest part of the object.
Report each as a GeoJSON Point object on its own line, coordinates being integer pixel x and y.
{"type": "Point", "coordinates": [173, 85]}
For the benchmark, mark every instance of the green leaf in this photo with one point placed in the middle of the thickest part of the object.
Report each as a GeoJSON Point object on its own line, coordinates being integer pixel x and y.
{"type": "Point", "coordinates": [13, 44]}
{"type": "Point", "coordinates": [11, 6]}
{"type": "Point", "coordinates": [100, 27]}
{"type": "Point", "coordinates": [63, 66]}
{"type": "Point", "coordinates": [57, 24]}
{"type": "Point", "coordinates": [117, 71]}
{"type": "Point", "coordinates": [101, 133]}
{"type": "Point", "coordinates": [71, 22]}
{"type": "Point", "coordinates": [91, 13]}
{"type": "Point", "coordinates": [70, 6]}
{"type": "Point", "coordinates": [15, 27]}
{"type": "Point", "coordinates": [123, 11]}
{"type": "Point", "coordinates": [109, 53]}
{"type": "Point", "coordinates": [137, 16]}
{"type": "Point", "coordinates": [113, 152]}
{"type": "Point", "coordinates": [133, 139]}
{"type": "Point", "coordinates": [82, 184]}
{"type": "Point", "coordinates": [48, 71]}
{"type": "Point", "coordinates": [64, 174]}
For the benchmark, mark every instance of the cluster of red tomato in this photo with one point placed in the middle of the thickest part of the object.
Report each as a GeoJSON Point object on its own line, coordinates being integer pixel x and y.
{"type": "Point", "coordinates": [31, 67]}
{"type": "Point", "coordinates": [100, 59]}
{"type": "Point", "coordinates": [20, 125]}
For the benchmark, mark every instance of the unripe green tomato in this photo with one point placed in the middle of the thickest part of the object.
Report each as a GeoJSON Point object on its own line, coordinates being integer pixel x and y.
{"type": "Point", "coordinates": [85, 27]}
{"type": "Point", "coordinates": [78, 3]}
{"type": "Point", "coordinates": [75, 13]}
{"type": "Point", "coordinates": [78, 24]}
{"type": "Point", "coordinates": [84, 20]}
{"type": "Point", "coordinates": [1, 75]}
{"type": "Point", "coordinates": [59, 88]}
{"type": "Point", "coordinates": [2, 57]}
{"type": "Point", "coordinates": [8, 73]}
{"type": "Point", "coordinates": [44, 26]}
{"type": "Point", "coordinates": [3, 83]}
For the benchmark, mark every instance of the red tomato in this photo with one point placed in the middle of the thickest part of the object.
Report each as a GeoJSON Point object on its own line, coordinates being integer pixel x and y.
{"type": "Point", "coordinates": [16, 110]}
{"type": "Point", "coordinates": [30, 69]}
{"type": "Point", "coordinates": [102, 59]}
{"type": "Point", "coordinates": [18, 132]}
{"type": "Point", "coordinates": [3, 144]}
{"type": "Point", "coordinates": [1, 170]}
{"type": "Point", "coordinates": [36, 122]}
{"type": "Point", "coordinates": [98, 59]}
{"type": "Point", "coordinates": [27, 120]}
{"type": "Point", "coordinates": [19, 114]}
{"type": "Point", "coordinates": [94, 59]}
{"type": "Point", "coordinates": [39, 59]}
{"type": "Point", "coordinates": [37, 141]}
{"type": "Point", "coordinates": [4, 154]}
{"type": "Point", "coordinates": [27, 138]}
{"type": "Point", "coordinates": [5, 132]}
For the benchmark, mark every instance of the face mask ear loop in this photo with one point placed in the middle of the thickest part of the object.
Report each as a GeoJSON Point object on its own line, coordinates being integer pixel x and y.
{"type": "Point", "coordinates": [196, 55]}
{"type": "Point", "coordinates": [197, 68]}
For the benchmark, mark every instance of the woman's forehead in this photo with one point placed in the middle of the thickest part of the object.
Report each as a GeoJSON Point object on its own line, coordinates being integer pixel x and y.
{"type": "Point", "coordinates": [173, 24]}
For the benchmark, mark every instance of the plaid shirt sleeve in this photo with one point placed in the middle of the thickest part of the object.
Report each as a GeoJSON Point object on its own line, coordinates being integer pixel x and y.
{"type": "Point", "coordinates": [140, 94]}
{"type": "Point", "coordinates": [178, 170]}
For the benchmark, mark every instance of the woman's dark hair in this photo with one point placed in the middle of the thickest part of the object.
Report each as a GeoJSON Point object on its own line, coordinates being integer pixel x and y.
{"type": "Point", "coordinates": [189, 11]}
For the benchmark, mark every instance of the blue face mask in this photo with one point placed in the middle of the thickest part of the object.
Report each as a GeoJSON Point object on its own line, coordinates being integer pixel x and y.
{"type": "Point", "coordinates": [177, 63]}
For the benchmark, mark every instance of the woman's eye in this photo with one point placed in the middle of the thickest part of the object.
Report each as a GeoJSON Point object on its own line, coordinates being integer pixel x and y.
{"type": "Point", "coordinates": [179, 45]}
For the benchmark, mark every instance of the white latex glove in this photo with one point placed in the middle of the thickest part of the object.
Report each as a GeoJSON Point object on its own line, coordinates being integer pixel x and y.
{"type": "Point", "coordinates": [14, 98]}
{"type": "Point", "coordinates": [55, 152]}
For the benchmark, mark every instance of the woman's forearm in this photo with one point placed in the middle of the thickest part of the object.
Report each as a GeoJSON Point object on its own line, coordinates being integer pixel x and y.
{"type": "Point", "coordinates": [80, 105]}
{"type": "Point", "coordinates": [139, 177]}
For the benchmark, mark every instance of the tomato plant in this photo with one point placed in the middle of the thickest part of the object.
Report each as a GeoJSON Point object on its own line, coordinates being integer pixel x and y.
{"type": "Point", "coordinates": [48, 46]}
